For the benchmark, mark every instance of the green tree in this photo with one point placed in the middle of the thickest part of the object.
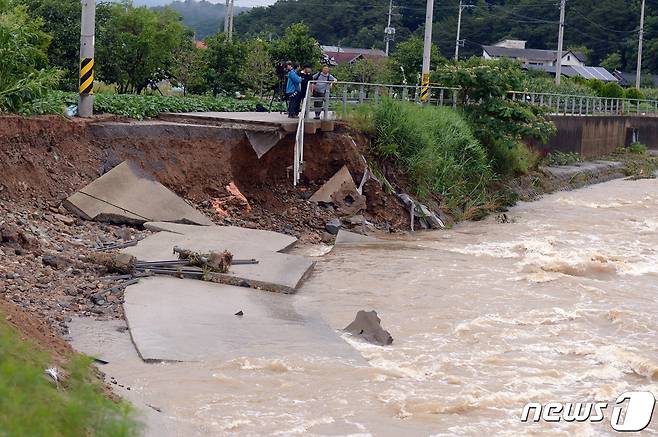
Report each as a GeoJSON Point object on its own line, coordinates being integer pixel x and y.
{"type": "Point", "coordinates": [136, 46]}
{"type": "Point", "coordinates": [189, 68]}
{"type": "Point", "coordinates": [61, 20]}
{"type": "Point", "coordinates": [296, 46]}
{"type": "Point", "coordinates": [24, 75]}
{"type": "Point", "coordinates": [225, 60]}
{"type": "Point", "coordinates": [408, 60]}
{"type": "Point", "coordinates": [612, 62]}
{"type": "Point", "coordinates": [499, 123]}
{"type": "Point", "coordinates": [258, 70]}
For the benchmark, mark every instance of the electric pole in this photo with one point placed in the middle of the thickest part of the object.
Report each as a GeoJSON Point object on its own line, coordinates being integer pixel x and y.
{"type": "Point", "coordinates": [427, 52]}
{"type": "Point", "coordinates": [86, 84]}
{"type": "Point", "coordinates": [230, 24]}
{"type": "Point", "coordinates": [459, 41]}
{"type": "Point", "coordinates": [227, 12]}
{"type": "Point", "coordinates": [560, 42]}
{"type": "Point", "coordinates": [638, 74]}
{"type": "Point", "coordinates": [389, 31]}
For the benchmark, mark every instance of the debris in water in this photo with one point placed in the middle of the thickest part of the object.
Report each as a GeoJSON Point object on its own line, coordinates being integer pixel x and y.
{"type": "Point", "coordinates": [239, 313]}
{"type": "Point", "coordinates": [54, 375]}
{"type": "Point", "coordinates": [367, 325]}
{"type": "Point", "coordinates": [417, 210]}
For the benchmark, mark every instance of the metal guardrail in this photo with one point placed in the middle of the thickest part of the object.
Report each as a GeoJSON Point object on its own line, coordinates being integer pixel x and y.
{"type": "Point", "coordinates": [341, 95]}
{"type": "Point", "coordinates": [568, 104]}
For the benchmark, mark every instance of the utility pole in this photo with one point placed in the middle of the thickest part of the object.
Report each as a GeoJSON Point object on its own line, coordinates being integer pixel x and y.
{"type": "Point", "coordinates": [227, 18]}
{"type": "Point", "coordinates": [427, 53]}
{"type": "Point", "coordinates": [230, 26]}
{"type": "Point", "coordinates": [638, 74]}
{"type": "Point", "coordinates": [389, 31]}
{"type": "Point", "coordinates": [459, 41]}
{"type": "Point", "coordinates": [560, 42]}
{"type": "Point", "coordinates": [86, 84]}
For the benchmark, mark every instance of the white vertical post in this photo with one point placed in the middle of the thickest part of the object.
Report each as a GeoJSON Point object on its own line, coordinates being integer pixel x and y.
{"type": "Point", "coordinates": [388, 36]}
{"type": "Point", "coordinates": [638, 74]}
{"type": "Point", "coordinates": [227, 17]}
{"type": "Point", "coordinates": [459, 28]}
{"type": "Point", "coordinates": [231, 18]}
{"type": "Point", "coordinates": [560, 42]}
{"type": "Point", "coordinates": [427, 52]}
{"type": "Point", "coordinates": [87, 35]}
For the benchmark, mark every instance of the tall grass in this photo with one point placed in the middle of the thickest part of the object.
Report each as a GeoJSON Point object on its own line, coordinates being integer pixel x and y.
{"type": "Point", "coordinates": [31, 404]}
{"type": "Point", "coordinates": [434, 147]}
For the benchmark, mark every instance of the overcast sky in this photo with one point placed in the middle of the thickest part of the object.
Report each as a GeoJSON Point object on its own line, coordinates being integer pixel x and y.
{"type": "Point", "coordinates": [249, 3]}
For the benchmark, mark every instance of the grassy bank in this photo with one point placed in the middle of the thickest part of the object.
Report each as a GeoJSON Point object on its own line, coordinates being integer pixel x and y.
{"type": "Point", "coordinates": [141, 106]}
{"type": "Point", "coordinates": [31, 404]}
{"type": "Point", "coordinates": [436, 152]}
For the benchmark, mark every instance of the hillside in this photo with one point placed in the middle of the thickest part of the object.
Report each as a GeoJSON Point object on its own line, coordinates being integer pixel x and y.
{"type": "Point", "coordinates": [203, 17]}
{"type": "Point", "coordinates": [604, 27]}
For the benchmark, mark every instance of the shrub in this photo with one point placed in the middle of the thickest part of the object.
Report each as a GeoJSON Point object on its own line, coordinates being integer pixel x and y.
{"type": "Point", "coordinates": [612, 90]}
{"type": "Point", "coordinates": [633, 93]}
{"type": "Point", "coordinates": [434, 147]}
{"type": "Point", "coordinates": [637, 148]}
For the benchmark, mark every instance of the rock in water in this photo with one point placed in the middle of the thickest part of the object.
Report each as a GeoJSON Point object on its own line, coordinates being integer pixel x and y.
{"type": "Point", "coordinates": [367, 325]}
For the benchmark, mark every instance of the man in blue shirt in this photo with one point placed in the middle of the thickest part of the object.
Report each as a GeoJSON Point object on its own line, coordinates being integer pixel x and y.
{"type": "Point", "coordinates": [293, 91]}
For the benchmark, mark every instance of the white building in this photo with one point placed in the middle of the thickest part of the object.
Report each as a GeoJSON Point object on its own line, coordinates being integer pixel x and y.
{"type": "Point", "coordinates": [516, 49]}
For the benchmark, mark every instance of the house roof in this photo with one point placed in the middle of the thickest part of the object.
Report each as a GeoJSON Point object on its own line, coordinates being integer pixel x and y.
{"type": "Point", "coordinates": [200, 44]}
{"type": "Point", "coordinates": [343, 55]}
{"type": "Point", "coordinates": [629, 78]}
{"type": "Point", "coordinates": [533, 54]}
{"type": "Point", "coordinates": [574, 71]}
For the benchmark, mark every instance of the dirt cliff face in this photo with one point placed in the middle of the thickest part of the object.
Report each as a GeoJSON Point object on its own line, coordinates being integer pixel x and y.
{"type": "Point", "coordinates": [45, 159]}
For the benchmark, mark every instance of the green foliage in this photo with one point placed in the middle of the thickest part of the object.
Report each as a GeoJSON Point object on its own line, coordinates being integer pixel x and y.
{"type": "Point", "coordinates": [366, 71]}
{"type": "Point", "coordinates": [612, 62]}
{"type": "Point", "coordinates": [637, 148]}
{"type": "Point", "coordinates": [257, 71]}
{"type": "Point", "coordinates": [612, 90]}
{"type": "Point", "coordinates": [204, 17]}
{"type": "Point", "coordinates": [500, 124]}
{"type": "Point", "coordinates": [433, 146]}
{"type": "Point", "coordinates": [23, 45]}
{"type": "Point", "coordinates": [356, 23]}
{"type": "Point", "coordinates": [558, 158]}
{"type": "Point", "coordinates": [61, 20]}
{"type": "Point", "coordinates": [541, 82]}
{"type": "Point", "coordinates": [408, 60]}
{"type": "Point", "coordinates": [633, 93]}
{"type": "Point", "coordinates": [148, 40]}
{"type": "Point", "coordinates": [189, 67]}
{"type": "Point", "coordinates": [225, 60]}
{"type": "Point", "coordinates": [296, 45]}
{"type": "Point", "coordinates": [143, 106]}
{"type": "Point", "coordinates": [31, 404]}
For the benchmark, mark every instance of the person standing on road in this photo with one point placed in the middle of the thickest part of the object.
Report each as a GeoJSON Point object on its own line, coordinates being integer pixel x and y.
{"type": "Point", "coordinates": [293, 91]}
{"type": "Point", "coordinates": [307, 76]}
{"type": "Point", "coordinates": [325, 80]}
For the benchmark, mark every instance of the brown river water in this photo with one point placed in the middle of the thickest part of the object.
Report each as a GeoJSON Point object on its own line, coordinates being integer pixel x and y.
{"type": "Point", "coordinates": [558, 304]}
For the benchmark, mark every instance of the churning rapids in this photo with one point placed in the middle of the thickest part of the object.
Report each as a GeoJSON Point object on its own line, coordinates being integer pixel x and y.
{"type": "Point", "coordinates": [557, 304]}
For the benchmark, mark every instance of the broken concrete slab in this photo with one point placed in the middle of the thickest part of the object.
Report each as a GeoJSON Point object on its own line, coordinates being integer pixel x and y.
{"type": "Point", "coordinates": [185, 320]}
{"type": "Point", "coordinates": [367, 325]}
{"type": "Point", "coordinates": [228, 235]}
{"type": "Point", "coordinates": [347, 238]}
{"type": "Point", "coordinates": [277, 272]}
{"type": "Point", "coordinates": [332, 185]}
{"type": "Point", "coordinates": [127, 195]}
{"type": "Point", "coordinates": [262, 142]}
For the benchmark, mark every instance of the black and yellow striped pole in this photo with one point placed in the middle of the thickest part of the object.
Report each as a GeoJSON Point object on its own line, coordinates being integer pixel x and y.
{"type": "Point", "coordinates": [427, 53]}
{"type": "Point", "coordinates": [86, 84]}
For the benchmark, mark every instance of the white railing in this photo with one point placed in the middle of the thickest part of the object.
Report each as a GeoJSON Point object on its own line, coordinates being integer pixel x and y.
{"type": "Point", "coordinates": [568, 104]}
{"type": "Point", "coordinates": [341, 95]}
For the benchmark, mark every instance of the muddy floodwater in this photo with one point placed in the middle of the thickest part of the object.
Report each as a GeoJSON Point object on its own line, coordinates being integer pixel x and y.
{"type": "Point", "coordinates": [557, 303]}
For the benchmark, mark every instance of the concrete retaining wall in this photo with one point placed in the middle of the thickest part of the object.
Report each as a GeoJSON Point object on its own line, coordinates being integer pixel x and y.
{"type": "Point", "coordinates": [600, 135]}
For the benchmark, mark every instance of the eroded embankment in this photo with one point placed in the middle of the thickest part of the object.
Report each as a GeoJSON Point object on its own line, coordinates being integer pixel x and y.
{"type": "Point", "coordinates": [45, 159]}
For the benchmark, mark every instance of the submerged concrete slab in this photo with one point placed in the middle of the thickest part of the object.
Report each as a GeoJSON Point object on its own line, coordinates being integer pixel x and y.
{"type": "Point", "coordinates": [185, 320]}
{"type": "Point", "coordinates": [126, 194]}
{"type": "Point", "coordinates": [275, 271]}
{"type": "Point", "coordinates": [352, 238]}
